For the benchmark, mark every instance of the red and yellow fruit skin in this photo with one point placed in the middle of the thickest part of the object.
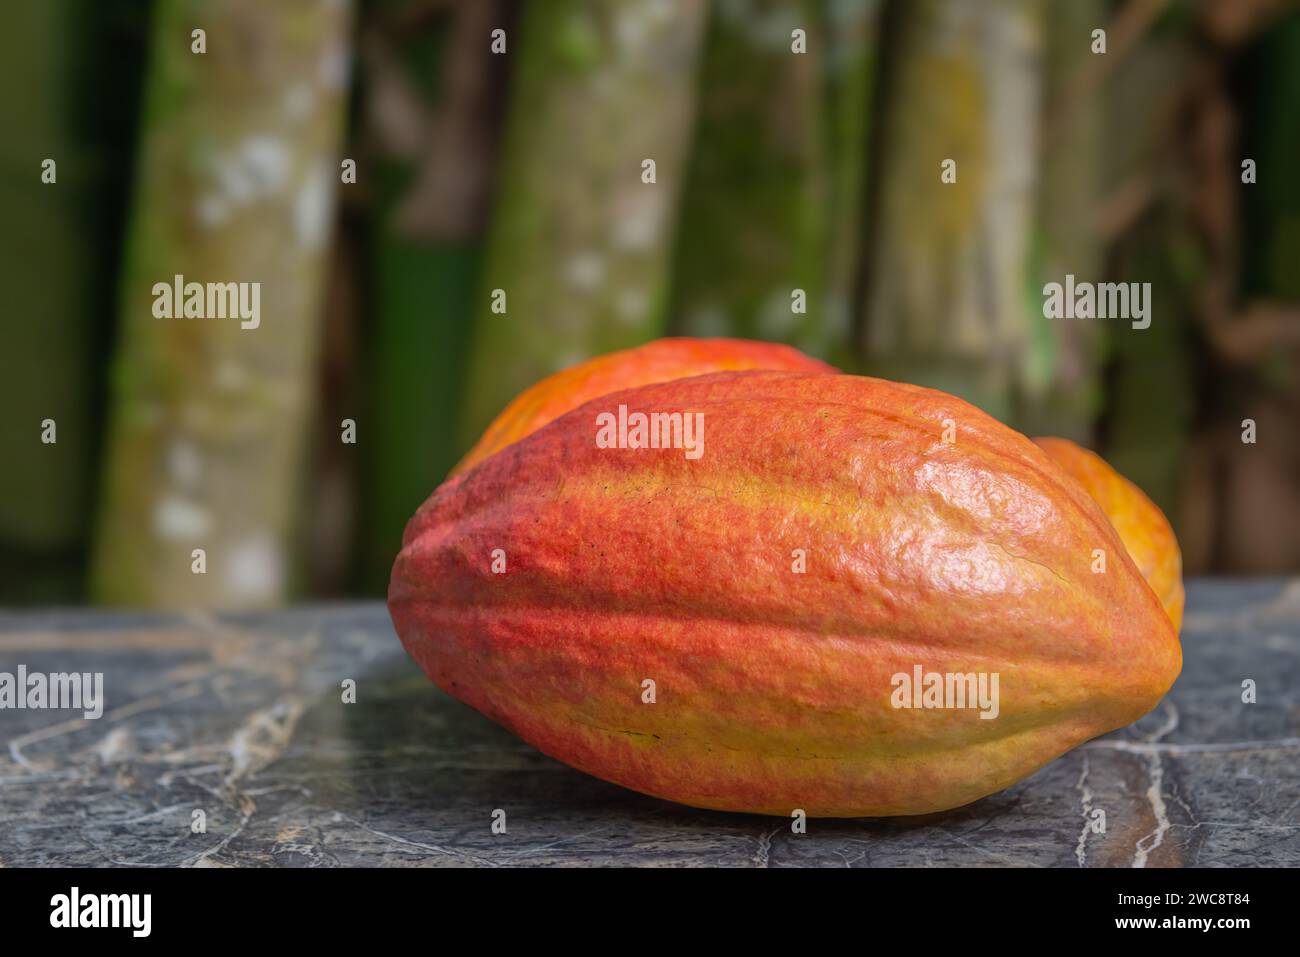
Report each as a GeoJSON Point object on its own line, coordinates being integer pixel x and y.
{"type": "Point", "coordinates": [1142, 527]}
{"type": "Point", "coordinates": [657, 361]}
{"type": "Point", "coordinates": [772, 687]}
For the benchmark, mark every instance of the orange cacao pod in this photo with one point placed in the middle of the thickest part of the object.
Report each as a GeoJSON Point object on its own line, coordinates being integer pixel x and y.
{"type": "Point", "coordinates": [657, 361]}
{"type": "Point", "coordinates": [1142, 527]}
{"type": "Point", "coordinates": [759, 627]}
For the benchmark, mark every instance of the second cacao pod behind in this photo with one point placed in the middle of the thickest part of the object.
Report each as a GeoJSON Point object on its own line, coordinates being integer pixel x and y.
{"type": "Point", "coordinates": [1141, 525]}
{"type": "Point", "coordinates": [658, 361]}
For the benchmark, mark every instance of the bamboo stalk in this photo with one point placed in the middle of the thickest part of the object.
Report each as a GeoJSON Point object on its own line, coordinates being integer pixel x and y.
{"type": "Point", "coordinates": [66, 98]}
{"type": "Point", "coordinates": [1059, 392]}
{"type": "Point", "coordinates": [578, 243]}
{"type": "Point", "coordinates": [754, 222]}
{"type": "Point", "coordinates": [236, 183]}
{"type": "Point", "coordinates": [430, 162]}
{"type": "Point", "coordinates": [945, 300]}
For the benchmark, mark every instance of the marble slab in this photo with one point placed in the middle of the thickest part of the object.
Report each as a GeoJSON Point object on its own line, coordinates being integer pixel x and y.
{"type": "Point", "coordinates": [242, 718]}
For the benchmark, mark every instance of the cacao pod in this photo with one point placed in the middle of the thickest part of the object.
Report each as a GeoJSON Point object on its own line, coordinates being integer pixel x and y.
{"type": "Point", "coordinates": [1141, 525]}
{"type": "Point", "coordinates": [656, 361]}
{"type": "Point", "coordinates": [737, 630]}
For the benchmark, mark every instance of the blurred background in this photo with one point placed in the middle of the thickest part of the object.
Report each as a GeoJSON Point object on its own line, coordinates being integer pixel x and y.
{"type": "Point", "coordinates": [381, 167]}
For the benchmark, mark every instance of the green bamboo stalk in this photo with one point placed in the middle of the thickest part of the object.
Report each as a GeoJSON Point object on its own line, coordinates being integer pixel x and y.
{"type": "Point", "coordinates": [1150, 404]}
{"type": "Point", "coordinates": [1261, 483]}
{"type": "Point", "coordinates": [416, 362]}
{"type": "Point", "coordinates": [578, 242]}
{"type": "Point", "coordinates": [754, 222]}
{"type": "Point", "coordinates": [1059, 392]}
{"type": "Point", "coordinates": [1271, 137]}
{"type": "Point", "coordinates": [424, 249]}
{"type": "Point", "coordinates": [235, 184]}
{"type": "Point", "coordinates": [66, 97]}
{"type": "Point", "coordinates": [851, 66]}
{"type": "Point", "coordinates": [945, 301]}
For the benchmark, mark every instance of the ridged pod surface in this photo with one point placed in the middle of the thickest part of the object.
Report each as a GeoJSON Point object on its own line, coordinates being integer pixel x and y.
{"type": "Point", "coordinates": [1141, 525]}
{"type": "Point", "coordinates": [658, 361]}
{"type": "Point", "coordinates": [931, 536]}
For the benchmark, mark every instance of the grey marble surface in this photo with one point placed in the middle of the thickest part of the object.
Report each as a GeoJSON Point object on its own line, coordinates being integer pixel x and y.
{"type": "Point", "coordinates": [242, 717]}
